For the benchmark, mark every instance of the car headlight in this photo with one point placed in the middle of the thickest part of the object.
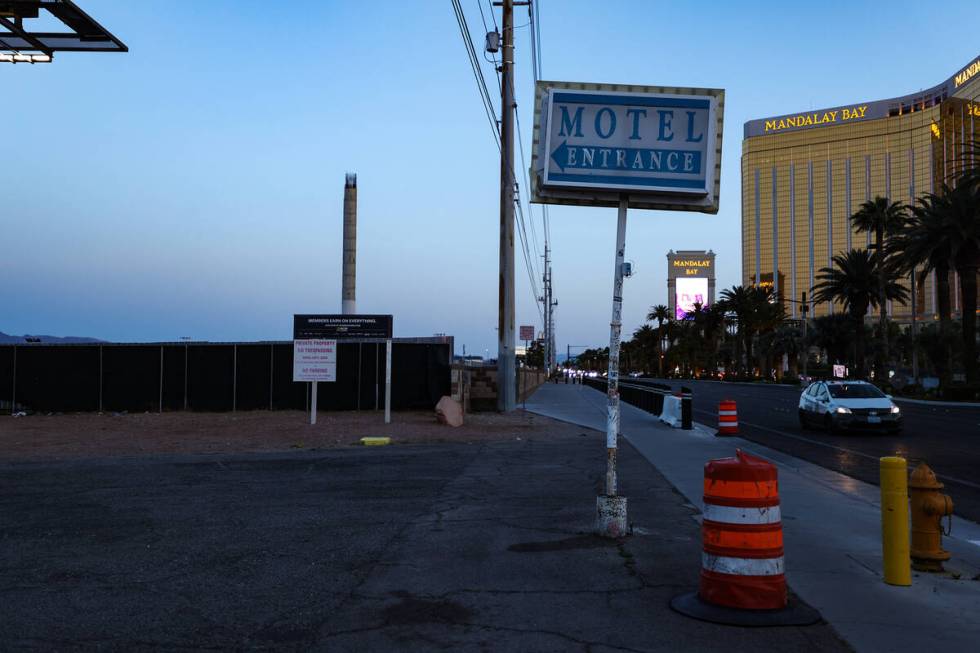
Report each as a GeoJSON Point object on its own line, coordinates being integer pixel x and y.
{"type": "Point", "coordinates": [895, 410]}
{"type": "Point", "coordinates": [843, 410]}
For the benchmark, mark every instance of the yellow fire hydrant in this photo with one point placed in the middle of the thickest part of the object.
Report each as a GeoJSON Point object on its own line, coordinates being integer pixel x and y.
{"type": "Point", "coordinates": [929, 506]}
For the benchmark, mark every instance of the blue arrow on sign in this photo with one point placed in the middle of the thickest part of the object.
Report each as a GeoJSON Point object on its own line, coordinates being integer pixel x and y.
{"type": "Point", "coordinates": [561, 154]}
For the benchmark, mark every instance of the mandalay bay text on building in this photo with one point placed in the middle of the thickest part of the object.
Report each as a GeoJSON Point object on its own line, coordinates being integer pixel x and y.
{"type": "Point", "coordinates": [804, 174]}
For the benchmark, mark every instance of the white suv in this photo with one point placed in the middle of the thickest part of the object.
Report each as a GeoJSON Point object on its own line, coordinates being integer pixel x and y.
{"type": "Point", "coordinates": [848, 404]}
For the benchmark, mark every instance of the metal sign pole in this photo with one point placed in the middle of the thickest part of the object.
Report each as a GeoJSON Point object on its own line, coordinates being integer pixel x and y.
{"type": "Point", "coordinates": [388, 381]}
{"type": "Point", "coordinates": [610, 507]}
{"type": "Point", "coordinates": [615, 328]}
{"type": "Point", "coordinates": [313, 404]}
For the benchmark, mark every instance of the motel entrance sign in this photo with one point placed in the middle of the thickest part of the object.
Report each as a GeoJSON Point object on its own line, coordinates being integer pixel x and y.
{"type": "Point", "coordinates": [658, 146]}
{"type": "Point", "coordinates": [630, 141]}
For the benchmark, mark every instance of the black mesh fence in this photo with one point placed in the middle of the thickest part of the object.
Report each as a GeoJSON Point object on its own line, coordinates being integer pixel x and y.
{"type": "Point", "coordinates": [215, 377]}
{"type": "Point", "coordinates": [131, 378]}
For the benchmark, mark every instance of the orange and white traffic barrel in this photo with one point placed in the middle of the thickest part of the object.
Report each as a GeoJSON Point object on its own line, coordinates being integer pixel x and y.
{"type": "Point", "coordinates": [743, 580]}
{"type": "Point", "coordinates": [727, 417]}
{"type": "Point", "coordinates": [742, 535]}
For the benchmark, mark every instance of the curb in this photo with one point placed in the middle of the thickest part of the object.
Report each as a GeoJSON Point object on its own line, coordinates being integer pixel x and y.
{"type": "Point", "coordinates": [946, 404]}
{"type": "Point", "coordinates": [918, 402]}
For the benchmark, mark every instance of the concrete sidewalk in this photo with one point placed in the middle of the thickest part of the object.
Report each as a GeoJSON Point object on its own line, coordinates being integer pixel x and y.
{"type": "Point", "coordinates": [831, 526]}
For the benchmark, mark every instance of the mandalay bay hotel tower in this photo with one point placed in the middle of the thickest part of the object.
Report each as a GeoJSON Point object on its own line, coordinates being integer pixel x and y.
{"type": "Point", "coordinates": [804, 175]}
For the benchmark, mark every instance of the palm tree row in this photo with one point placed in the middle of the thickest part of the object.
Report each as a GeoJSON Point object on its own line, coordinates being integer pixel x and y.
{"type": "Point", "coordinates": [745, 332]}
{"type": "Point", "coordinates": [940, 234]}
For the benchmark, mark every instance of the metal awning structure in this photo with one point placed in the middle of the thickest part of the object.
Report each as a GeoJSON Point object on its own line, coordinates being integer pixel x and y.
{"type": "Point", "coordinates": [83, 33]}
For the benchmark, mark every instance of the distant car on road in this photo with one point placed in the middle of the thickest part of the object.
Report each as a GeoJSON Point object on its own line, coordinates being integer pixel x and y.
{"type": "Point", "coordinates": [848, 404]}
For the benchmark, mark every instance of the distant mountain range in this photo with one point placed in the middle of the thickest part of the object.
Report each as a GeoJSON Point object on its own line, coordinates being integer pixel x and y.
{"type": "Point", "coordinates": [20, 340]}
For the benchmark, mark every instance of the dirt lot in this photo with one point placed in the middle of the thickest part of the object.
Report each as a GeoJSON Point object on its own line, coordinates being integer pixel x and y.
{"type": "Point", "coordinates": [92, 435]}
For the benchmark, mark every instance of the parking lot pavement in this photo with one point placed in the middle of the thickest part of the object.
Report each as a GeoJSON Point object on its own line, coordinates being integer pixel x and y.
{"type": "Point", "coordinates": [466, 547]}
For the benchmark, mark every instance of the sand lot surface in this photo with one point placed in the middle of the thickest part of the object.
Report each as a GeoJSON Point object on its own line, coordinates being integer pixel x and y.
{"type": "Point", "coordinates": [83, 435]}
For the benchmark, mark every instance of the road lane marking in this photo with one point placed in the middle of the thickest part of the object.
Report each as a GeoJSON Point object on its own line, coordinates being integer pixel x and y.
{"type": "Point", "coordinates": [801, 438]}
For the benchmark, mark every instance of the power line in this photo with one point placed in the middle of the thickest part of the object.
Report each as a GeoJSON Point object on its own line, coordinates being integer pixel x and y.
{"type": "Point", "coordinates": [481, 83]}
{"type": "Point", "coordinates": [492, 15]}
{"type": "Point", "coordinates": [520, 141]}
{"type": "Point", "coordinates": [529, 260]}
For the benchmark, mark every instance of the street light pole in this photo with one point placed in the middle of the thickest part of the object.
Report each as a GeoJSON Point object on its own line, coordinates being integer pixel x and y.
{"type": "Point", "coordinates": [915, 349]}
{"type": "Point", "coordinates": [805, 308]}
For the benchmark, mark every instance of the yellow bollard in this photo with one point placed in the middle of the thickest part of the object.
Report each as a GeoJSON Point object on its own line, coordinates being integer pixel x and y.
{"type": "Point", "coordinates": [895, 520]}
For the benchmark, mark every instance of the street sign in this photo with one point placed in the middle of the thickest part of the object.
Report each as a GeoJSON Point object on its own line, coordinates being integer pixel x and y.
{"type": "Point", "coordinates": [314, 360]}
{"type": "Point", "coordinates": [527, 332]}
{"type": "Point", "coordinates": [659, 146]}
{"type": "Point", "coordinates": [341, 326]}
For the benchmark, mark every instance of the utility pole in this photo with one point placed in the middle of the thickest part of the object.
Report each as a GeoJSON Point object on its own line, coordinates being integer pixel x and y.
{"type": "Point", "coordinates": [506, 361]}
{"type": "Point", "coordinates": [551, 319]}
{"type": "Point", "coordinates": [549, 313]}
{"type": "Point", "coordinates": [546, 300]}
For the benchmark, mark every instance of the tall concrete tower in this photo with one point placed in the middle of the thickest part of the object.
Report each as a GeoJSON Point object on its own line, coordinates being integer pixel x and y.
{"type": "Point", "coordinates": [348, 293]}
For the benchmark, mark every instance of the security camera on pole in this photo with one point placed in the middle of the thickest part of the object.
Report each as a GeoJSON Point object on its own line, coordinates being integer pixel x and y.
{"type": "Point", "coordinates": [607, 145]}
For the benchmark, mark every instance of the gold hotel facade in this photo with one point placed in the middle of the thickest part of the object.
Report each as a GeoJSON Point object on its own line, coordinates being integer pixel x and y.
{"type": "Point", "coordinates": [805, 174]}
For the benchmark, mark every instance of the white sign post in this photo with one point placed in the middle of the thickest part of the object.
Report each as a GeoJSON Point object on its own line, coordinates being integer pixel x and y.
{"type": "Point", "coordinates": [613, 145]}
{"type": "Point", "coordinates": [314, 361]}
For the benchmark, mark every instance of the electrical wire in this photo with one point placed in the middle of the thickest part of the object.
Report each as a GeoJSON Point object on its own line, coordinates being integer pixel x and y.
{"type": "Point", "coordinates": [529, 261]}
{"type": "Point", "coordinates": [481, 83]}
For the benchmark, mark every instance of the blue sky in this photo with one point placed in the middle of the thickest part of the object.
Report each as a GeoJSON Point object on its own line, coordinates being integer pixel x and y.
{"type": "Point", "coordinates": [194, 186]}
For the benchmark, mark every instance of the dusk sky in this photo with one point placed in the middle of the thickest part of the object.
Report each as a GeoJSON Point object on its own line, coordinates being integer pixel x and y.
{"type": "Point", "coordinates": [194, 186]}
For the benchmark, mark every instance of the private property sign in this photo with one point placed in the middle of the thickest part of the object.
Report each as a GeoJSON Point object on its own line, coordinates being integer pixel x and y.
{"type": "Point", "coordinates": [597, 142]}
{"type": "Point", "coordinates": [314, 360]}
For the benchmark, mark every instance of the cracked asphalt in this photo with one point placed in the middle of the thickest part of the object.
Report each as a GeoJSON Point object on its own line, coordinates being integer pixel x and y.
{"type": "Point", "coordinates": [481, 547]}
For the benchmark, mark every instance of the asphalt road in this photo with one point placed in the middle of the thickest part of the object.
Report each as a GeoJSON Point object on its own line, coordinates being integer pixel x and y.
{"type": "Point", "coordinates": [453, 547]}
{"type": "Point", "coordinates": [947, 438]}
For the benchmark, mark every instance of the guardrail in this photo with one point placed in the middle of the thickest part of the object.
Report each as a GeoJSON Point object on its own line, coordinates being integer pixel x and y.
{"type": "Point", "coordinates": [645, 395]}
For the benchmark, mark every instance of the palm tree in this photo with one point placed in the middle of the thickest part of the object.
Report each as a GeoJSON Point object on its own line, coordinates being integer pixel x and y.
{"type": "Point", "coordinates": [661, 314]}
{"type": "Point", "coordinates": [713, 330]}
{"type": "Point", "coordinates": [834, 334]}
{"type": "Point", "coordinates": [959, 209]}
{"type": "Point", "coordinates": [944, 234]}
{"type": "Point", "coordinates": [852, 282]}
{"type": "Point", "coordinates": [884, 218]}
{"type": "Point", "coordinates": [648, 345]}
{"type": "Point", "coordinates": [739, 300]}
{"type": "Point", "coordinates": [923, 245]}
{"type": "Point", "coordinates": [786, 340]}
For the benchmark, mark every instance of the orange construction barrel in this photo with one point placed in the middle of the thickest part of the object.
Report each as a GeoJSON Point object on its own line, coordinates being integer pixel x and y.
{"type": "Point", "coordinates": [742, 581]}
{"type": "Point", "coordinates": [727, 417]}
{"type": "Point", "coordinates": [742, 535]}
